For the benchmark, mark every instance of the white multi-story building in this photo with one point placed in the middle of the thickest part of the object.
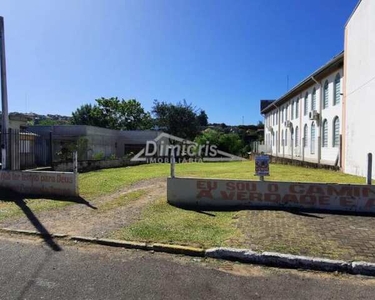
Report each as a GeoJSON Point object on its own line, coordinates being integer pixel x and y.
{"type": "Point", "coordinates": [305, 124]}
{"type": "Point", "coordinates": [327, 118]}
{"type": "Point", "coordinates": [359, 89]}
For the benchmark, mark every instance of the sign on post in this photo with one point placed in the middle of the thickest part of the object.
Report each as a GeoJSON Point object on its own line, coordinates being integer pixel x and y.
{"type": "Point", "coordinates": [262, 165]}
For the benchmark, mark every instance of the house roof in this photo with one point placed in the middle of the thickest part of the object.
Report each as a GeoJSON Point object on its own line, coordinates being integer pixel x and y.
{"type": "Point", "coordinates": [334, 64]}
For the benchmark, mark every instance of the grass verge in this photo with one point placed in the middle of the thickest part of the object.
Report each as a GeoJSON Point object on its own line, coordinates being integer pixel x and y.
{"type": "Point", "coordinates": [164, 223]}
{"type": "Point", "coordinates": [123, 200]}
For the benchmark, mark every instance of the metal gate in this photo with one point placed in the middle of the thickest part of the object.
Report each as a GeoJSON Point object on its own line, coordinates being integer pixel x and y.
{"type": "Point", "coordinates": [27, 150]}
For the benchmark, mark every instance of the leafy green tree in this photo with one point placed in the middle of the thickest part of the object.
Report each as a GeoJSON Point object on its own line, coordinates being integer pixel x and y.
{"type": "Point", "coordinates": [177, 119]}
{"type": "Point", "coordinates": [50, 122]}
{"type": "Point", "coordinates": [202, 118]}
{"type": "Point", "coordinates": [85, 115]}
{"type": "Point", "coordinates": [228, 142]}
{"type": "Point", "coordinates": [113, 113]}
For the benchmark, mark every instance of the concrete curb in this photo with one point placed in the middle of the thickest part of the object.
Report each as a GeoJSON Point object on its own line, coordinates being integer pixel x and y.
{"type": "Point", "coordinates": [112, 243]}
{"type": "Point", "coordinates": [273, 259]}
{"type": "Point", "coordinates": [32, 232]}
{"type": "Point", "coordinates": [176, 249]}
{"type": "Point", "coordinates": [292, 261]}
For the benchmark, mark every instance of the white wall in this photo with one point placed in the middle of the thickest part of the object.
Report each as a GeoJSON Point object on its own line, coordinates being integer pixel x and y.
{"type": "Point", "coordinates": [360, 88]}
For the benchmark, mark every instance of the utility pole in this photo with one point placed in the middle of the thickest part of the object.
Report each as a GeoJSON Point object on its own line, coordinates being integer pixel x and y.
{"type": "Point", "coordinates": [4, 100]}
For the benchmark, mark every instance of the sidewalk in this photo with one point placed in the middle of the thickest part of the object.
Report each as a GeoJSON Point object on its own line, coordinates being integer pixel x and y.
{"type": "Point", "coordinates": [324, 235]}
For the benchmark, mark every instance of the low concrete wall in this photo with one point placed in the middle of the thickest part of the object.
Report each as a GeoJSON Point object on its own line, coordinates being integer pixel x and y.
{"type": "Point", "coordinates": [218, 193]}
{"type": "Point", "coordinates": [40, 183]}
{"type": "Point", "coordinates": [91, 165]}
{"type": "Point", "coordinates": [297, 162]}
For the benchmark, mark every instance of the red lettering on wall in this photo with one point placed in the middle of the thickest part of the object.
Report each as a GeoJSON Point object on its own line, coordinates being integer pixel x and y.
{"type": "Point", "coordinates": [255, 197]}
{"type": "Point", "coordinates": [289, 198]}
{"type": "Point", "coordinates": [273, 187]}
{"type": "Point", "coordinates": [241, 196]}
{"type": "Point", "coordinates": [274, 198]}
{"type": "Point", "coordinates": [339, 191]}
{"type": "Point", "coordinates": [206, 185]}
{"type": "Point", "coordinates": [227, 196]}
{"type": "Point", "coordinates": [296, 189]}
{"type": "Point", "coordinates": [324, 200]}
{"type": "Point", "coordinates": [366, 192]}
{"type": "Point", "coordinates": [205, 194]}
{"type": "Point", "coordinates": [231, 186]}
{"type": "Point", "coordinates": [308, 199]}
{"type": "Point", "coordinates": [346, 201]}
{"type": "Point", "coordinates": [315, 189]}
{"type": "Point", "coordinates": [370, 203]}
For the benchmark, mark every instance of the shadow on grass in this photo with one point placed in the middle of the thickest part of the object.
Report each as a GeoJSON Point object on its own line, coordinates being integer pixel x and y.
{"type": "Point", "coordinates": [21, 201]}
{"type": "Point", "coordinates": [303, 212]}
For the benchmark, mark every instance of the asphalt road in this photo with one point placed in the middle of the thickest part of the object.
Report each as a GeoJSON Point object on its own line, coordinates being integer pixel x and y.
{"type": "Point", "coordinates": [29, 269]}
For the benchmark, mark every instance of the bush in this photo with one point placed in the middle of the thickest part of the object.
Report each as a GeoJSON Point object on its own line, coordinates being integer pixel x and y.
{"type": "Point", "coordinates": [98, 156]}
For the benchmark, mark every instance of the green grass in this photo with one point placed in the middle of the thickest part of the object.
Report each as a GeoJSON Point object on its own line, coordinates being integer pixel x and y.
{"type": "Point", "coordinates": [164, 223]}
{"type": "Point", "coordinates": [123, 200]}
{"type": "Point", "coordinates": [103, 182]}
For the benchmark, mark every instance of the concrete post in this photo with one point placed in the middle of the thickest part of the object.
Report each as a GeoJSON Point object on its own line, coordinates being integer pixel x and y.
{"type": "Point", "coordinates": [75, 162]}
{"type": "Point", "coordinates": [172, 162]}
{"type": "Point", "coordinates": [369, 169]}
{"type": "Point", "coordinates": [303, 149]}
{"type": "Point", "coordinates": [75, 171]}
{"type": "Point", "coordinates": [4, 99]}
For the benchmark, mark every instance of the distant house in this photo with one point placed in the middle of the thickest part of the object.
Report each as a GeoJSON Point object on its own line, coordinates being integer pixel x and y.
{"type": "Point", "coordinates": [16, 121]}
{"type": "Point", "coordinates": [93, 142]}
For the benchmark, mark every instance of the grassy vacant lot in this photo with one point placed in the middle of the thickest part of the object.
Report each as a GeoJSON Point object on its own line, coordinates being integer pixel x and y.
{"type": "Point", "coordinates": [161, 222]}
{"type": "Point", "coordinates": [164, 223]}
{"type": "Point", "coordinates": [102, 182]}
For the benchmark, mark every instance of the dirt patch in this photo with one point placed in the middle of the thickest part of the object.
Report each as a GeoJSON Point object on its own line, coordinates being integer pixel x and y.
{"type": "Point", "coordinates": [81, 219]}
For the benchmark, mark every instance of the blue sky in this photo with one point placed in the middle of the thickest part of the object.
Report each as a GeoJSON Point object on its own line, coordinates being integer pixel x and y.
{"type": "Point", "coordinates": [223, 56]}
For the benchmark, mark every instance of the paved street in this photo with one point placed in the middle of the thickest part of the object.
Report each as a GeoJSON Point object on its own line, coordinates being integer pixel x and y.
{"type": "Point", "coordinates": [31, 270]}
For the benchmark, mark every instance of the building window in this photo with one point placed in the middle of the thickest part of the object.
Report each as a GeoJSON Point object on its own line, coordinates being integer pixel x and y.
{"type": "Point", "coordinates": [297, 137]}
{"type": "Point", "coordinates": [297, 109]}
{"type": "Point", "coordinates": [337, 90]}
{"type": "Point", "coordinates": [306, 105]}
{"type": "Point", "coordinates": [286, 137]}
{"type": "Point", "coordinates": [312, 137]}
{"type": "Point", "coordinates": [325, 95]}
{"type": "Point", "coordinates": [282, 138]}
{"type": "Point", "coordinates": [336, 132]}
{"type": "Point", "coordinates": [292, 111]}
{"type": "Point", "coordinates": [305, 129]}
{"type": "Point", "coordinates": [273, 139]}
{"type": "Point", "coordinates": [325, 133]}
{"type": "Point", "coordinates": [313, 100]}
{"type": "Point", "coordinates": [286, 113]}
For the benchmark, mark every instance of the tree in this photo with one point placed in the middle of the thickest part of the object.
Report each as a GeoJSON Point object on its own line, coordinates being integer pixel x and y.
{"type": "Point", "coordinates": [85, 116]}
{"type": "Point", "coordinates": [227, 142]}
{"type": "Point", "coordinates": [202, 118]}
{"type": "Point", "coordinates": [177, 119]}
{"type": "Point", "coordinates": [113, 113]}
